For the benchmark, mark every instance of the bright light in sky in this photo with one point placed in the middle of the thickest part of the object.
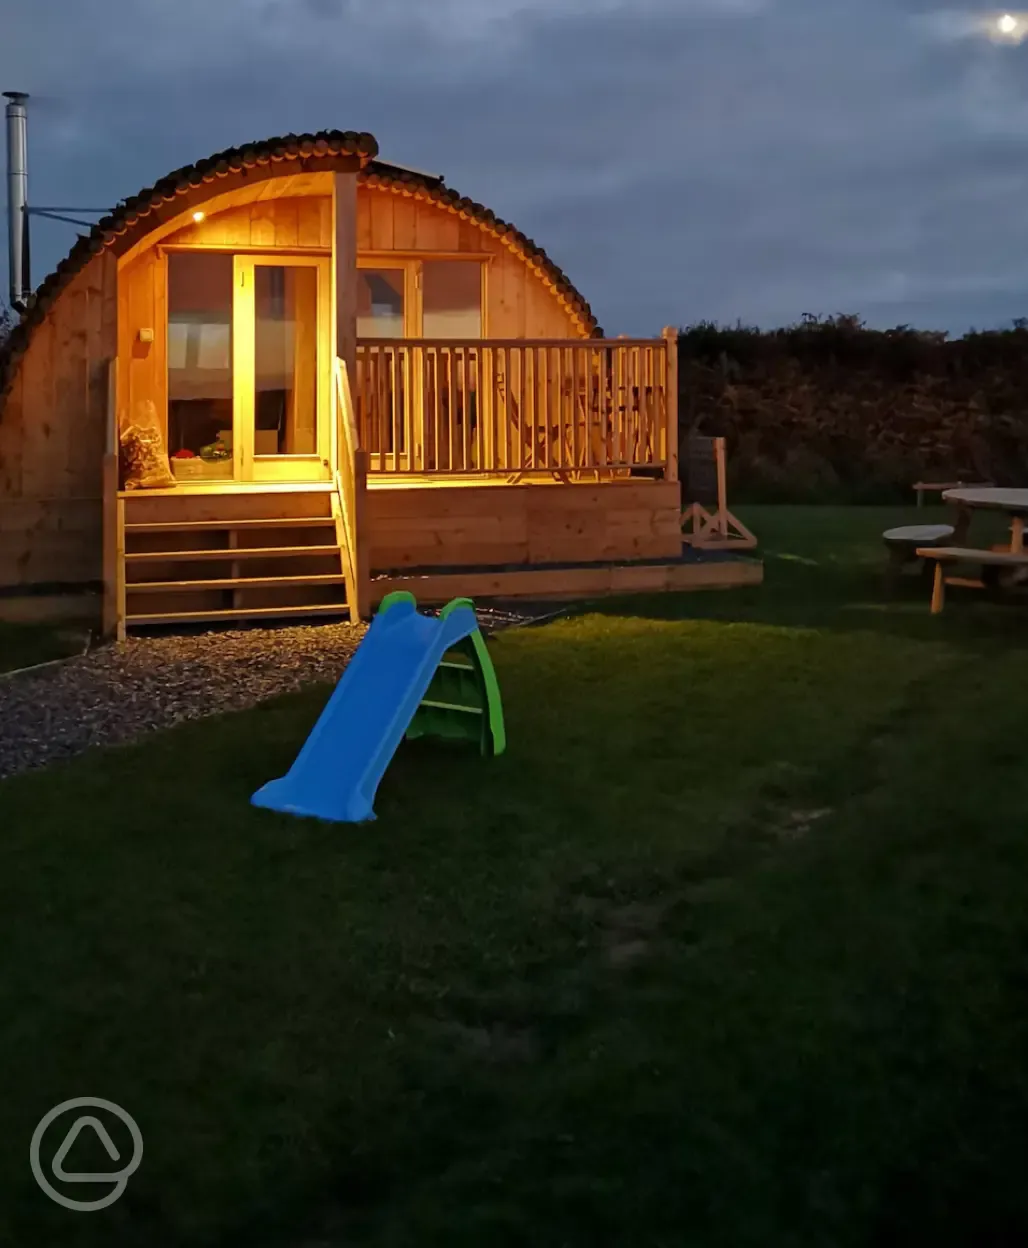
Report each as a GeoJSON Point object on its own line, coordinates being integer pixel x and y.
{"type": "Point", "coordinates": [1011, 26]}
{"type": "Point", "coordinates": [957, 24]}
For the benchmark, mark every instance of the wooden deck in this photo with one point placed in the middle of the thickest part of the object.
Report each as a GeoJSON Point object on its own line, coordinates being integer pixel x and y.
{"type": "Point", "coordinates": [565, 582]}
{"type": "Point", "coordinates": [237, 552]}
{"type": "Point", "coordinates": [450, 525]}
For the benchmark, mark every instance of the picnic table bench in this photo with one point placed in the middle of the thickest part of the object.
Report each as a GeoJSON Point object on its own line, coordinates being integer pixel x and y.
{"type": "Point", "coordinates": [904, 546]}
{"type": "Point", "coordinates": [965, 554]}
{"type": "Point", "coordinates": [992, 562]}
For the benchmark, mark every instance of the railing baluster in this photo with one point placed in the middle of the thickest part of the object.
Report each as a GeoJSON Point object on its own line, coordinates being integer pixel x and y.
{"type": "Point", "coordinates": [395, 432]}
{"type": "Point", "coordinates": [519, 354]}
{"type": "Point", "coordinates": [451, 411]}
{"type": "Point", "coordinates": [411, 406]}
{"type": "Point", "coordinates": [490, 430]}
{"type": "Point", "coordinates": [548, 417]}
{"type": "Point", "coordinates": [382, 406]}
{"type": "Point", "coordinates": [607, 451]}
{"type": "Point", "coordinates": [465, 410]}
{"type": "Point", "coordinates": [532, 353]}
{"type": "Point", "coordinates": [432, 374]}
{"type": "Point", "coordinates": [558, 394]}
{"type": "Point", "coordinates": [505, 386]}
{"type": "Point", "coordinates": [563, 394]}
{"type": "Point", "coordinates": [633, 403]}
{"type": "Point", "coordinates": [575, 446]}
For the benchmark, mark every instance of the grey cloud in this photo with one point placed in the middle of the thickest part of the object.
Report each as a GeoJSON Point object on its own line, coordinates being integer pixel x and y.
{"type": "Point", "coordinates": [682, 159]}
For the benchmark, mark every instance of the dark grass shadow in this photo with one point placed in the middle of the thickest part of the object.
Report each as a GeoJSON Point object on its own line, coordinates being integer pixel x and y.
{"type": "Point", "coordinates": [810, 594]}
{"type": "Point", "coordinates": [825, 569]}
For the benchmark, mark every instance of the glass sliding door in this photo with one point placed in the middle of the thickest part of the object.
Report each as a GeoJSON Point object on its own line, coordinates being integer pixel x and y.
{"type": "Point", "coordinates": [200, 391]}
{"type": "Point", "coordinates": [282, 358]}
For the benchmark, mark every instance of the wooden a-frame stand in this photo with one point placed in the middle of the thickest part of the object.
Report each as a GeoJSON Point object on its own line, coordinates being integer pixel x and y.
{"type": "Point", "coordinates": [719, 529]}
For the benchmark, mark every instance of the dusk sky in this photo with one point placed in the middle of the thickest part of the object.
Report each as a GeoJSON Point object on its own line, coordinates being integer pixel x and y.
{"type": "Point", "coordinates": [682, 160]}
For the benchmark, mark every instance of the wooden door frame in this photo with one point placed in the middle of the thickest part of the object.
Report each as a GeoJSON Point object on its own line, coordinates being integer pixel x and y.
{"type": "Point", "coordinates": [247, 465]}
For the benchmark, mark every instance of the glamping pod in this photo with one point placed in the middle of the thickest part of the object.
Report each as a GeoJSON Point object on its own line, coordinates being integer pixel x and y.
{"type": "Point", "coordinates": [292, 378]}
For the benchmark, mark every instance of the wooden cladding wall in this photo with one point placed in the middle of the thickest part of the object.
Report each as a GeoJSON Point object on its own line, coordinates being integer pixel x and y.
{"type": "Point", "coordinates": [143, 366]}
{"type": "Point", "coordinates": [52, 437]}
{"type": "Point", "coordinates": [295, 221]}
{"type": "Point", "coordinates": [453, 526]}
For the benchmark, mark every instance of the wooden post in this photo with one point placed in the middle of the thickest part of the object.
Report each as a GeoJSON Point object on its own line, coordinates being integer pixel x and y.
{"type": "Point", "coordinates": [120, 593]}
{"type": "Point", "coordinates": [113, 510]}
{"type": "Point", "coordinates": [344, 282]}
{"type": "Point", "coordinates": [939, 588]}
{"type": "Point", "coordinates": [670, 336]}
{"type": "Point", "coordinates": [362, 555]}
{"type": "Point", "coordinates": [722, 486]}
{"type": "Point", "coordinates": [344, 348]}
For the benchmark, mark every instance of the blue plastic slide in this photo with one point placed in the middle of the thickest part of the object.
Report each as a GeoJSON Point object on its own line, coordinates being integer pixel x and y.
{"type": "Point", "coordinates": [338, 770]}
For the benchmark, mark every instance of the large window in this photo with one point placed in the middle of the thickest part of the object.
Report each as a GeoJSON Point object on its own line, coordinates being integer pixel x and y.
{"type": "Point", "coordinates": [381, 305]}
{"type": "Point", "coordinates": [199, 350]}
{"type": "Point", "coordinates": [413, 298]}
{"type": "Point", "coordinates": [451, 299]}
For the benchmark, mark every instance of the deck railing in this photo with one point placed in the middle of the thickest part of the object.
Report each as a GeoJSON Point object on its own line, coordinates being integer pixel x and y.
{"type": "Point", "coordinates": [574, 408]}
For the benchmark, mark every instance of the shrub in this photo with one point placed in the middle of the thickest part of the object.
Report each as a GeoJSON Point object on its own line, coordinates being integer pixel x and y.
{"type": "Point", "coordinates": [829, 409]}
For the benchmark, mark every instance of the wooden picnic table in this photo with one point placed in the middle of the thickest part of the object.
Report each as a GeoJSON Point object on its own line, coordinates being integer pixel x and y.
{"type": "Point", "coordinates": [989, 498]}
{"type": "Point", "coordinates": [920, 487]}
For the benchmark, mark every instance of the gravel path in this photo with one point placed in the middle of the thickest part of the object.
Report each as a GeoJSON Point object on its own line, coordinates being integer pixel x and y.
{"type": "Point", "coordinates": [117, 693]}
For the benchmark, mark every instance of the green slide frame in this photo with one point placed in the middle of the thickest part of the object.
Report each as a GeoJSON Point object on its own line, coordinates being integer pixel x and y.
{"type": "Point", "coordinates": [463, 701]}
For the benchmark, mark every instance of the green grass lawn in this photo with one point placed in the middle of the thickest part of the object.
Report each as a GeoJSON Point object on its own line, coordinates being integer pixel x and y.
{"type": "Point", "coordinates": [728, 949]}
{"type": "Point", "coordinates": [22, 645]}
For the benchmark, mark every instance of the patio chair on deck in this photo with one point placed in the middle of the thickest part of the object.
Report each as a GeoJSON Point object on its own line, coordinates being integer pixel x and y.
{"type": "Point", "coordinates": [704, 485]}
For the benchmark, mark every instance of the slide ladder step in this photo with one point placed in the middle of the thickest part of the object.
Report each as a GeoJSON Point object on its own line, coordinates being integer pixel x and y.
{"type": "Point", "coordinates": [451, 706]}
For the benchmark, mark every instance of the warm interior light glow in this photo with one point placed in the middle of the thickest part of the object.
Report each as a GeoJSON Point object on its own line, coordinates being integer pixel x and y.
{"type": "Point", "coordinates": [198, 216]}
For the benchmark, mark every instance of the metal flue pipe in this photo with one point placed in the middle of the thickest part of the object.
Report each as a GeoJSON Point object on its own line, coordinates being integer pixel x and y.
{"type": "Point", "coordinates": [18, 199]}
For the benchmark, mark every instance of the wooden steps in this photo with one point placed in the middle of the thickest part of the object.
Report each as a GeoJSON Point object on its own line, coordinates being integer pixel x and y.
{"type": "Point", "coordinates": [223, 553]}
{"type": "Point", "coordinates": [295, 522]}
{"type": "Point", "coordinates": [253, 613]}
{"type": "Point", "coordinates": [205, 557]}
{"type": "Point", "coordinates": [242, 582]}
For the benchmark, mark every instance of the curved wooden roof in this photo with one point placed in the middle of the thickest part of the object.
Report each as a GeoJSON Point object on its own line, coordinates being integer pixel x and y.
{"type": "Point", "coordinates": [325, 150]}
